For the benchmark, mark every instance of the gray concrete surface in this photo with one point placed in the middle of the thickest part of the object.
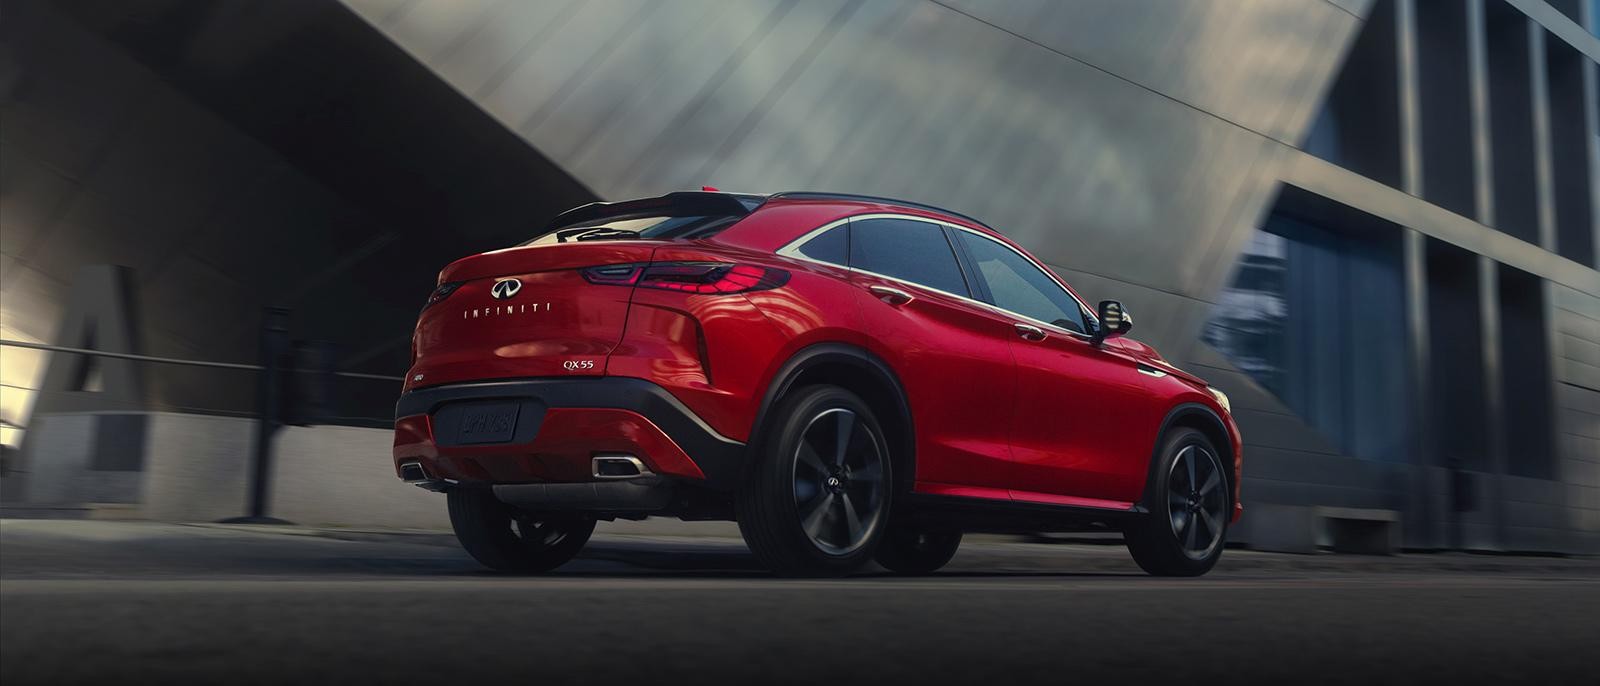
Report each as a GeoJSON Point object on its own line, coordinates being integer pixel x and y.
{"type": "Point", "coordinates": [196, 468]}
{"type": "Point", "coordinates": [138, 602]}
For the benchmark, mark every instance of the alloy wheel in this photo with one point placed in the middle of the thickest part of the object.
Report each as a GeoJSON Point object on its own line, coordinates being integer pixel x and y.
{"type": "Point", "coordinates": [539, 533]}
{"type": "Point", "coordinates": [1197, 501]}
{"type": "Point", "coordinates": [838, 481]}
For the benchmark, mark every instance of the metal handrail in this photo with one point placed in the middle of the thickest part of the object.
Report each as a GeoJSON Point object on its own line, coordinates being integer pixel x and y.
{"type": "Point", "coordinates": [171, 360]}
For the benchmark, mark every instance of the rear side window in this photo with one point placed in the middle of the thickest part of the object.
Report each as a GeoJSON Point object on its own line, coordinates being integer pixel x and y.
{"type": "Point", "coordinates": [635, 228]}
{"type": "Point", "coordinates": [1015, 284]}
{"type": "Point", "coordinates": [908, 250]}
{"type": "Point", "coordinates": [832, 246]}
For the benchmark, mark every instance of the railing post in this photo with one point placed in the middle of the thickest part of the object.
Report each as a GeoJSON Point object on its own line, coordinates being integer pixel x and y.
{"type": "Point", "coordinates": [269, 410]}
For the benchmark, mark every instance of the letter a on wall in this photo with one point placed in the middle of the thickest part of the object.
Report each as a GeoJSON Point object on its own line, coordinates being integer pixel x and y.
{"type": "Point", "coordinates": [99, 315]}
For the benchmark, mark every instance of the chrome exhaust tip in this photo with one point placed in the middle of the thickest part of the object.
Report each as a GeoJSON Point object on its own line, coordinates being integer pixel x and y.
{"type": "Point", "coordinates": [415, 474]}
{"type": "Point", "coordinates": [618, 467]}
{"type": "Point", "coordinates": [412, 472]}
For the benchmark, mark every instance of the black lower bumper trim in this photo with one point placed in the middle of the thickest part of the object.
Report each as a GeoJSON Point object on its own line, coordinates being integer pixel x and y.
{"type": "Point", "coordinates": [717, 456]}
{"type": "Point", "coordinates": [635, 495]}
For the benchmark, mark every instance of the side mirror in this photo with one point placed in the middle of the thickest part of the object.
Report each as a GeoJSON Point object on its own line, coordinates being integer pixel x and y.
{"type": "Point", "coordinates": [1114, 321]}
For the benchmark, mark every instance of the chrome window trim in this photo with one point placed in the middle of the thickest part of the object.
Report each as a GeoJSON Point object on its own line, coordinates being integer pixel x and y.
{"type": "Point", "coordinates": [792, 250]}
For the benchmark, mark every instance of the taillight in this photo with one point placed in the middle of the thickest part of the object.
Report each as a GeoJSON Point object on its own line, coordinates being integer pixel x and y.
{"type": "Point", "coordinates": [443, 291]}
{"type": "Point", "coordinates": [689, 277]}
{"type": "Point", "coordinates": [614, 274]}
{"type": "Point", "coordinates": [711, 278]}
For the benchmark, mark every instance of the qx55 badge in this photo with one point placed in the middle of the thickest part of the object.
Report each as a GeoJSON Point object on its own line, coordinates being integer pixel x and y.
{"type": "Point", "coordinates": [503, 290]}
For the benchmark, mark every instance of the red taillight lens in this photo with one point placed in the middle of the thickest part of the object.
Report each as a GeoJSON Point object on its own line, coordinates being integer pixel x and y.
{"type": "Point", "coordinates": [443, 291]}
{"type": "Point", "coordinates": [711, 278]}
{"type": "Point", "coordinates": [689, 277]}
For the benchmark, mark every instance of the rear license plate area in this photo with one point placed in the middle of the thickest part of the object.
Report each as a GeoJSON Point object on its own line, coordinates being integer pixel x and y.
{"type": "Point", "coordinates": [487, 422]}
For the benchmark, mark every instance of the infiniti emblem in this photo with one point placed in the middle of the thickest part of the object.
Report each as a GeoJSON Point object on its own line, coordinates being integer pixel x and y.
{"type": "Point", "coordinates": [505, 289]}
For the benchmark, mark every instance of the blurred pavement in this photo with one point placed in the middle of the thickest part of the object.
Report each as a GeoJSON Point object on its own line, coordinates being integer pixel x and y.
{"type": "Point", "coordinates": [85, 601]}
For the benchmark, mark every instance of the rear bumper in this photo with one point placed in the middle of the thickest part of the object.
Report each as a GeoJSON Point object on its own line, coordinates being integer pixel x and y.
{"type": "Point", "coordinates": [646, 494]}
{"type": "Point", "coordinates": [565, 422]}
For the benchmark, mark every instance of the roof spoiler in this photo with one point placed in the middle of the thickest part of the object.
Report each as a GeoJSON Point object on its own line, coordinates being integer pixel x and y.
{"type": "Point", "coordinates": [677, 204]}
{"type": "Point", "coordinates": [816, 195]}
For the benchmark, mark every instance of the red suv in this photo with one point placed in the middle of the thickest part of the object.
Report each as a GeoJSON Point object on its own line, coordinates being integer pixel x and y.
{"type": "Point", "coordinates": [849, 378]}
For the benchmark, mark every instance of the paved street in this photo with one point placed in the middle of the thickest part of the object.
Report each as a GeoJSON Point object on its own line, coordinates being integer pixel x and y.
{"type": "Point", "coordinates": [96, 601]}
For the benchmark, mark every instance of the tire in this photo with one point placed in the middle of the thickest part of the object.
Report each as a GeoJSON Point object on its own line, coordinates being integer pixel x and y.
{"type": "Point", "coordinates": [812, 504]}
{"type": "Point", "coordinates": [506, 540]}
{"type": "Point", "coordinates": [1184, 532]}
{"type": "Point", "coordinates": [915, 551]}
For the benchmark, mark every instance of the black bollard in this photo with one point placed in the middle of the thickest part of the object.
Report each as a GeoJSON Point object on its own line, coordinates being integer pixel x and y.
{"type": "Point", "coordinates": [269, 409]}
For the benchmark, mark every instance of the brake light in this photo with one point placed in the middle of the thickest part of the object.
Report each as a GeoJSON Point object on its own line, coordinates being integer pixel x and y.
{"type": "Point", "coordinates": [443, 291]}
{"type": "Point", "coordinates": [689, 277]}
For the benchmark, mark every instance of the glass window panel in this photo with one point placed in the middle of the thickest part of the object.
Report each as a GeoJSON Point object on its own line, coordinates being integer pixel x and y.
{"type": "Point", "coordinates": [1017, 285]}
{"type": "Point", "coordinates": [906, 249]}
{"type": "Point", "coordinates": [832, 246]}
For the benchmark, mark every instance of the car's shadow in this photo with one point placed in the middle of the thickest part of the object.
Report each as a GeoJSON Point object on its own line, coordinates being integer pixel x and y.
{"type": "Point", "coordinates": [711, 562]}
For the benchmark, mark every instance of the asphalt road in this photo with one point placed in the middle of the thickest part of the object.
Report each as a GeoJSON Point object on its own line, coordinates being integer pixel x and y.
{"type": "Point", "coordinates": [93, 602]}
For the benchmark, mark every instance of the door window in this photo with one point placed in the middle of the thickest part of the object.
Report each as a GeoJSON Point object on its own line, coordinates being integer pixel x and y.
{"type": "Point", "coordinates": [1015, 284]}
{"type": "Point", "coordinates": [909, 250]}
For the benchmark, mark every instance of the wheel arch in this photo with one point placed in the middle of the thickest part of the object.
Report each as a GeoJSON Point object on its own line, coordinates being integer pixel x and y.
{"type": "Point", "coordinates": [858, 370]}
{"type": "Point", "coordinates": [1200, 418]}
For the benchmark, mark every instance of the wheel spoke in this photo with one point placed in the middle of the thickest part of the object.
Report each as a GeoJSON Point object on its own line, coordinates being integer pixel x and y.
{"type": "Point", "coordinates": [1211, 525]}
{"type": "Point", "coordinates": [846, 428]}
{"type": "Point", "coordinates": [1188, 463]}
{"type": "Point", "coordinates": [809, 457]}
{"type": "Point", "coordinates": [872, 472]}
{"type": "Point", "coordinates": [1211, 482]}
{"type": "Point", "coordinates": [851, 519]}
{"type": "Point", "coordinates": [1194, 530]}
{"type": "Point", "coordinates": [812, 519]}
{"type": "Point", "coordinates": [1180, 521]}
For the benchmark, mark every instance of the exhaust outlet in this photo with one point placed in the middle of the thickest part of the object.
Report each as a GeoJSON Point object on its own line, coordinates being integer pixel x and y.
{"type": "Point", "coordinates": [412, 472]}
{"type": "Point", "coordinates": [618, 467]}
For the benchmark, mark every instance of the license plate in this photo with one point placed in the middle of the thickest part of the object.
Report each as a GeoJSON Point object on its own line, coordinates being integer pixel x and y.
{"type": "Point", "coordinates": [490, 423]}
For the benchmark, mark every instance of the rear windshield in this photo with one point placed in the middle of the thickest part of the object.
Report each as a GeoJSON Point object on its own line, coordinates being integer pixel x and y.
{"type": "Point", "coordinates": [636, 228]}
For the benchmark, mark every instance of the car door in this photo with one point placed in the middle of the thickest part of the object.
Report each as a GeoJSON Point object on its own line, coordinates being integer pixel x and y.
{"type": "Point", "coordinates": [1078, 405]}
{"type": "Point", "coordinates": [952, 353]}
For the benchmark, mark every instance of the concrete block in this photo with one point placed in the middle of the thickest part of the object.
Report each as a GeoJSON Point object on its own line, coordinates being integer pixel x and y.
{"type": "Point", "coordinates": [56, 450]}
{"type": "Point", "coordinates": [343, 476]}
{"type": "Point", "coordinates": [1363, 531]}
{"type": "Point", "coordinates": [196, 467]}
{"type": "Point", "coordinates": [79, 458]}
{"type": "Point", "coordinates": [1282, 528]}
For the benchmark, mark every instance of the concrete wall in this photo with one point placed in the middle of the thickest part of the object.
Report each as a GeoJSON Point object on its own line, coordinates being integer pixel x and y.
{"type": "Point", "coordinates": [196, 468]}
{"type": "Point", "coordinates": [1577, 327]}
{"type": "Point", "coordinates": [333, 475]}
{"type": "Point", "coordinates": [72, 473]}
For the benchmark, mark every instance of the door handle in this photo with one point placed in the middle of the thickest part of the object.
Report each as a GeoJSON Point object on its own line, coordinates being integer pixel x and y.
{"type": "Point", "coordinates": [893, 296]}
{"type": "Point", "coordinates": [1029, 332]}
